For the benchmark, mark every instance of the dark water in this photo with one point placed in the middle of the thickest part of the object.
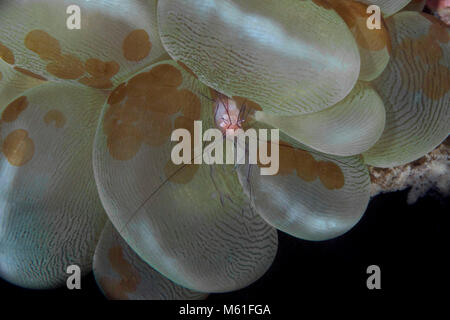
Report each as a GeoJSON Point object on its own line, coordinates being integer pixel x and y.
{"type": "Point", "coordinates": [408, 243]}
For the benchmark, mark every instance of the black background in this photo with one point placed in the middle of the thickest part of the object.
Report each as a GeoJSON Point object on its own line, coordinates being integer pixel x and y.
{"type": "Point", "coordinates": [407, 242]}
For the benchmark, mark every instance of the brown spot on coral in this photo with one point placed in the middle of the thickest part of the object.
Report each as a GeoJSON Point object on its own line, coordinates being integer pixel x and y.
{"type": "Point", "coordinates": [350, 11]}
{"type": "Point", "coordinates": [136, 45]}
{"type": "Point", "coordinates": [118, 94]}
{"type": "Point", "coordinates": [286, 157]}
{"type": "Point", "coordinates": [142, 109]}
{"type": "Point", "coordinates": [29, 73]}
{"type": "Point", "coordinates": [166, 75]}
{"type": "Point", "coordinates": [323, 3]}
{"type": "Point", "coordinates": [66, 67]}
{"type": "Point", "coordinates": [331, 175]}
{"type": "Point", "coordinates": [43, 44]}
{"type": "Point", "coordinates": [62, 66]}
{"type": "Point", "coordinates": [1, 76]}
{"type": "Point", "coordinates": [373, 40]}
{"type": "Point", "coordinates": [190, 104]}
{"type": "Point", "coordinates": [184, 123]}
{"type": "Point", "coordinates": [129, 278]}
{"type": "Point", "coordinates": [186, 68]}
{"type": "Point", "coordinates": [18, 148]}
{"type": "Point", "coordinates": [425, 48]}
{"type": "Point", "coordinates": [164, 100]}
{"type": "Point", "coordinates": [101, 73]}
{"type": "Point", "coordinates": [14, 109]}
{"type": "Point", "coordinates": [307, 168]}
{"type": "Point", "coordinates": [161, 80]}
{"type": "Point", "coordinates": [99, 69]}
{"type": "Point", "coordinates": [6, 54]}
{"type": "Point", "coordinates": [56, 117]}
{"type": "Point", "coordinates": [156, 128]}
{"type": "Point", "coordinates": [124, 141]}
{"type": "Point", "coordinates": [355, 16]}
{"type": "Point", "coordinates": [426, 51]}
{"type": "Point", "coordinates": [69, 67]}
{"type": "Point", "coordinates": [306, 165]}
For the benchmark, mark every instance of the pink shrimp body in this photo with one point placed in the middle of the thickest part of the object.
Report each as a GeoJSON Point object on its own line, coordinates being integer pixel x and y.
{"type": "Point", "coordinates": [227, 115]}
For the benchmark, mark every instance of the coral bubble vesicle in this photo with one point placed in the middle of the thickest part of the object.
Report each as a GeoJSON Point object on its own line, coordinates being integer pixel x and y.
{"type": "Point", "coordinates": [374, 44]}
{"type": "Point", "coordinates": [314, 196]}
{"type": "Point", "coordinates": [350, 127]}
{"type": "Point", "coordinates": [50, 216]}
{"type": "Point", "coordinates": [290, 57]}
{"type": "Point", "coordinates": [116, 38]}
{"type": "Point", "coordinates": [122, 275]}
{"type": "Point", "coordinates": [192, 223]}
{"type": "Point", "coordinates": [415, 88]}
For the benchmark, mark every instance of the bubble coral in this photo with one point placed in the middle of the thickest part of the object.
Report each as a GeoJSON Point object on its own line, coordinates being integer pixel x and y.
{"type": "Point", "coordinates": [86, 119]}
